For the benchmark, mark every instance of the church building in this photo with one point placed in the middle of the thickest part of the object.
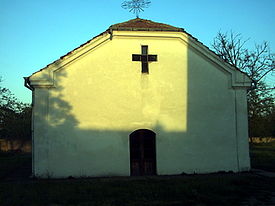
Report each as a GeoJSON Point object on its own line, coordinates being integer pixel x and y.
{"type": "Point", "coordinates": [141, 98]}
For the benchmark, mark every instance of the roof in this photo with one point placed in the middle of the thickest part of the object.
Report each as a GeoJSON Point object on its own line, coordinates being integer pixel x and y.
{"type": "Point", "coordinates": [136, 24]}
{"type": "Point", "coordinates": [143, 25]}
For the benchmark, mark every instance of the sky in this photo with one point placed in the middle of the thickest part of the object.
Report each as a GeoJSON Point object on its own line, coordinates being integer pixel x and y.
{"type": "Point", "coordinates": [34, 33]}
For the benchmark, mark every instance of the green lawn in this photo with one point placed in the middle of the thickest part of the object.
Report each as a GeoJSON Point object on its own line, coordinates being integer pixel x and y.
{"type": "Point", "coordinates": [263, 156]}
{"type": "Point", "coordinates": [178, 190]}
{"type": "Point", "coordinates": [199, 190]}
{"type": "Point", "coordinates": [9, 162]}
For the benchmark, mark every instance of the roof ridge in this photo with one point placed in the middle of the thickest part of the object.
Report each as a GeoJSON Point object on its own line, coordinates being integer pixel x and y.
{"type": "Point", "coordinates": [144, 25]}
{"type": "Point", "coordinates": [138, 24]}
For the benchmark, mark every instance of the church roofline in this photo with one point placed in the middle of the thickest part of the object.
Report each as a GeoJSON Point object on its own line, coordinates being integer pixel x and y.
{"type": "Point", "coordinates": [136, 24]}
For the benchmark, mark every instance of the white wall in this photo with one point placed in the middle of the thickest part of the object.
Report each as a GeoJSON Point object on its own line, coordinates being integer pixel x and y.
{"type": "Point", "coordinates": [82, 124]}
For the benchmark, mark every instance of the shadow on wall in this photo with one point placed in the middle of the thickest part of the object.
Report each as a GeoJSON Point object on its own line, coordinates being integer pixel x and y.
{"type": "Point", "coordinates": [63, 148]}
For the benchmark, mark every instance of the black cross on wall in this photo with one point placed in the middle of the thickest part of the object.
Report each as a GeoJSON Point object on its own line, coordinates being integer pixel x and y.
{"type": "Point", "coordinates": [145, 58]}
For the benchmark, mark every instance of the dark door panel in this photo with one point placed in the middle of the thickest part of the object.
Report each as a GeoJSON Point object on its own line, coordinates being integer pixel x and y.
{"type": "Point", "coordinates": [143, 152]}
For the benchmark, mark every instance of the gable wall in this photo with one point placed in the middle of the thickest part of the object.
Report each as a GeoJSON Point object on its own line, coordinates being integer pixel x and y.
{"type": "Point", "coordinates": [102, 97]}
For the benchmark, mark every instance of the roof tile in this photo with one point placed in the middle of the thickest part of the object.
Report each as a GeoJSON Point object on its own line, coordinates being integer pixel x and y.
{"type": "Point", "coordinates": [144, 24]}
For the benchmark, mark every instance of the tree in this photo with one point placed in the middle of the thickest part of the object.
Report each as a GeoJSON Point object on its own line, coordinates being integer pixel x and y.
{"type": "Point", "coordinates": [257, 64]}
{"type": "Point", "coordinates": [8, 101]}
{"type": "Point", "coordinates": [15, 118]}
{"type": "Point", "coordinates": [271, 121]}
{"type": "Point", "coordinates": [260, 108]}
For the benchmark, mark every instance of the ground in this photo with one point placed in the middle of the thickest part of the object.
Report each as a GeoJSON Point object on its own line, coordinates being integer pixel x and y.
{"type": "Point", "coordinates": [263, 156]}
{"type": "Point", "coordinates": [250, 188]}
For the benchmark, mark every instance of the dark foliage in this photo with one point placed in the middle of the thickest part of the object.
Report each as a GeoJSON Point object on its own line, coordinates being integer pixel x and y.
{"type": "Point", "coordinates": [15, 117]}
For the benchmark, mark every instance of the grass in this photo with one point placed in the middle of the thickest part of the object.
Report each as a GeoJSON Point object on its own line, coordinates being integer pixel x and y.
{"type": "Point", "coordinates": [199, 190]}
{"type": "Point", "coordinates": [219, 189]}
{"type": "Point", "coordinates": [263, 156]}
{"type": "Point", "coordinates": [10, 161]}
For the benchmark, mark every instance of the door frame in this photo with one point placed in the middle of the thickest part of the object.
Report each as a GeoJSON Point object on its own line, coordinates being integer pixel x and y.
{"type": "Point", "coordinates": [142, 134]}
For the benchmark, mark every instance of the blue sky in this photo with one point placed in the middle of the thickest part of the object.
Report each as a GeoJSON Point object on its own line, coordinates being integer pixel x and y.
{"type": "Point", "coordinates": [34, 33]}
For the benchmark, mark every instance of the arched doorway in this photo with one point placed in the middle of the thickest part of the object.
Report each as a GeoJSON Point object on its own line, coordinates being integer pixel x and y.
{"type": "Point", "coordinates": [143, 152]}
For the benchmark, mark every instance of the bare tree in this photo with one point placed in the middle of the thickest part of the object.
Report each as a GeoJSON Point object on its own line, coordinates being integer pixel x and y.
{"type": "Point", "coordinates": [257, 64]}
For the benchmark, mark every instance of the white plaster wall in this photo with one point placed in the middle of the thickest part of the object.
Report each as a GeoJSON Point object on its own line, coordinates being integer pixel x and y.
{"type": "Point", "coordinates": [209, 143]}
{"type": "Point", "coordinates": [40, 129]}
{"type": "Point", "coordinates": [82, 125]}
{"type": "Point", "coordinates": [242, 131]}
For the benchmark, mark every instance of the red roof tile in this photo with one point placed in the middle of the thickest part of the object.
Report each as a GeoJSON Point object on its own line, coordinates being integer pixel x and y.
{"type": "Point", "coordinates": [143, 25]}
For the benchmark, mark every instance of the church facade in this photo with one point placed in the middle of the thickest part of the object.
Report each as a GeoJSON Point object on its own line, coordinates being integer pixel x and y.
{"type": "Point", "coordinates": [142, 98]}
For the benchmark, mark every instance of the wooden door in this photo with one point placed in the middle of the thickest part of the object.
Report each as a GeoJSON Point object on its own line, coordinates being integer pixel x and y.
{"type": "Point", "coordinates": [143, 152]}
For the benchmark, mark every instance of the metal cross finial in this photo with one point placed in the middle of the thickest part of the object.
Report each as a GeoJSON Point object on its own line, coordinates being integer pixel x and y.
{"type": "Point", "coordinates": [136, 6]}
